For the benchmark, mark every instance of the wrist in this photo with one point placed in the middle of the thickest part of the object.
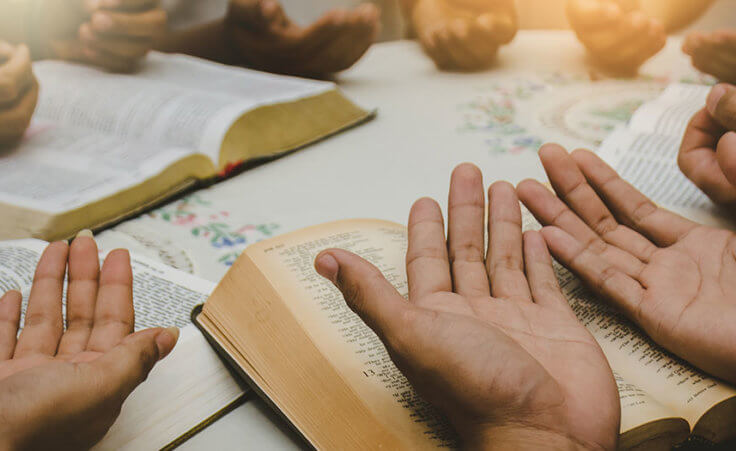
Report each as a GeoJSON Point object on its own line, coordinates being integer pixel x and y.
{"type": "Point", "coordinates": [524, 437]}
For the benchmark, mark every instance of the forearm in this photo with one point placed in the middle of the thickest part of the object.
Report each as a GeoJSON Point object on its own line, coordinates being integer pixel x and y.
{"type": "Point", "coordinates": [204, 41]}
{"type": "Point", "coordinates": [675, 14]}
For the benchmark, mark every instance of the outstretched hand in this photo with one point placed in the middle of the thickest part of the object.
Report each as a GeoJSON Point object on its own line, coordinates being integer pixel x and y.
{"type": "Point", "coordinates": [708, 151]}
{"type": "Point", "coordinates": [63, 387]}
{"type": "Point", "coordinates": [463, 34]}
{"type": "Point", "coordinates": [618, 36]}
{"type": "Point", "coordinates": [260, 35]}
{"type": "Point", "coordinates": [713, 53]}
{"type": "Point", "coordinates": [486, 336]}
{"type": "Point", "coordinates": [18, 92]}
{"type": "Point", "coordinates": [676, 279]}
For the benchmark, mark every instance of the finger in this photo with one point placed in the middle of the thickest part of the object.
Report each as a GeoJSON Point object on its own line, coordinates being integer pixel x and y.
{"type": "Point", "coordinates": [127, 48]}
{"type": "Point", "coordinates": [466, 209]}
{"type": "Point", "coordinates": [108, 61]}
{"type": "Point", "coordinates": [602, 277]}
{"type": "Point", "coordinates": [505, 260]}
{"type": "Point", "coordinates": [726, 154]}
{"type": "Point", "coordinates": [457, 37]}
{"type": "Point", "coordinates": [545, 289]}
{"type": "Point", "coordinates": [84, 273]}
{"type": "Point", "coordinates": [435, 47]}
{"type": "Point", "coordinates": [620, 245]}
{"type": "Point", "coordinates": [427, 262]}
{"type": "Point", "coordinates": [128, 364]}
{"type": "Point", "coordinates": [43, 321]}
{"type": "Point", "coordinates": [15, 74]}
{"type": "Point", "coordinates": [114, 315]}
{"type": "Point", "coordinates": [148, 24]}
{"type": "Point", "coordinates": [592, 14]}
{"type": "Point", "coordinates": [10, 307]}
{"type": "Point", "coordinates": [120, 5]}
{"type": "Point", "coordinates": [366, 291]}
{"type": "Point", "coordinates": [630, 206]}
{"type": "Point", "coordinates": [713, 64]}
{"type": "Point", "coordinates": [15, 121]}
{"type": "Point", "coordinates": [697, 158]}
{"type": "Point", "coordinates": [721, 105]}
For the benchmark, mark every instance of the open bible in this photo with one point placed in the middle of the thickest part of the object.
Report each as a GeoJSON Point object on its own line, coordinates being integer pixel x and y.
{"type": "Point", "coordinates": [105, 146]}
{"type": "Point", "coordinates": [289, 333]}
{"type": "Point", "coordinates": [188, 389]}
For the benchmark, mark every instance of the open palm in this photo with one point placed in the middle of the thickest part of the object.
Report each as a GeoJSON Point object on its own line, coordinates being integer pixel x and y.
{"type": "Point", "coordinates": [673, 277]}
{"type": "Point", "coordinates": [63, 388]}
{"type": "Point", "coordinates": [488, 339]}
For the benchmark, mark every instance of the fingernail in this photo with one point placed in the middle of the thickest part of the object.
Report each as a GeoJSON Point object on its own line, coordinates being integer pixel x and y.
{"type": "Point", "coordinates": [85, 233]}
{"type": "Point", "coordinates": [166, 340]}
{"type": "Point", "coordinates": [715, 96]}
{"type": "Point", "coordinates": [327, 266]}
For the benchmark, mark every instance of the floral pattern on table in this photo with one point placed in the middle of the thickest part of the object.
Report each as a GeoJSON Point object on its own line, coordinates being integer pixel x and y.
{"type": "Point", "coordinates": [568, 107]}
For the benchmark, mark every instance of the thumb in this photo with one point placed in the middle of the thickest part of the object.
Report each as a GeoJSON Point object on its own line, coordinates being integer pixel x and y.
{"type": "Point", "coordinates": [365, 290]}
{"type": "Point", "coordinates": [127, 365]}
{"type": "Point", "coordinates": [726, 155]}
{"type": "Point", "coordinates": [721, 105]}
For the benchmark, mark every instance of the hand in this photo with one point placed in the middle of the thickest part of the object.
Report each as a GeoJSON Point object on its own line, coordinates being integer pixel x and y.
{"type": "Point", "coordinates": [260, 36]}
{"type": "Point", "coordinates": [618, 36]}
{"type": "Point", "coordinates": [488, 339]}
{"type": "Point", "coordinates": [464, 34]}
{"type": "Point", "coordinates": [713, 53]}
{"type": "Point", "coordinates": [18, 92]}
{"type": "Point", "coordinates": [708, 151]}
{"type": "Point", "coordinates": [63, 389]}
{"type": "Point", "coordinates": [113, 34]}
{"type": "Point", "coordinates": [676, 279]}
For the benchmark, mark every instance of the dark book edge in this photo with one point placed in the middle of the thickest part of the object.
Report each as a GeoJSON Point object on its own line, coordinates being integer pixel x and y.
{"type": "Point", "coordinates": [241, 375]}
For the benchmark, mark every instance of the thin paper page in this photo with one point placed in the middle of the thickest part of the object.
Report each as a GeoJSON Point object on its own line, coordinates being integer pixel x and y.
{"type": "Point", "coordinates": [670, 113]}
{"type": "Point", "coordinates": [19, 259]}
{"type": "Point", "coordinates": [173, 101]}
{"type": "Point", "coordinates": [59, 168]}
{"type": "Point", "coordinates": [340, 335]}
{"type": "Point", "coordinates": [637, 406]}
{"type": "Point", "coordinates": [649, 162]}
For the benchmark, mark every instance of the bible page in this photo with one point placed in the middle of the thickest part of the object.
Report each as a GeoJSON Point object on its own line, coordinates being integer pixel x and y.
{"type": "Point", "coordinates": [645, 154]}
{"type": "Point", "coordinates": [58, 168]}
{"type": "Point", "coordinates": [172, 102]}
{"type": "Point", "coordinates": [342, 337]}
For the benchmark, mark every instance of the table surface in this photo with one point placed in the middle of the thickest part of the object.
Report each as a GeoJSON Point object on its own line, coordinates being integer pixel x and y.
{"type": "Point", "coordinates": [427, 123]}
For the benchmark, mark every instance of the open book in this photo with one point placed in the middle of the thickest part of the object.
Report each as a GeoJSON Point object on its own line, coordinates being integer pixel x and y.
{"type": "Point", "coordinates": [104, 146]}
{"type": "Point", "coordinates": [188, 389]}
{"type": "Point", "coordinates": [645, 153]}
{"type": "Point", "coordinates": [291, 335]}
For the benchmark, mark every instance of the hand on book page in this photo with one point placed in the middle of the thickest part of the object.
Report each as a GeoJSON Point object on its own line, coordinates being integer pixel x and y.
{"type": "Point", "coordinates": [713, 53]}
{"type": "Point", "coordinates": [18, 92]}
{"type": "Point", "coordinates": [62, 387]}
{"type": "Point", "coordinates": [675, 278]}
{"type": "Point", "coordinates": [708, 150]}
{"type": "Point", "coordinates": [488, 339]}
{"type": "Point", "coordinates": [618, 36]}
{"type": "Point", "coordinates": [261, 36]}
{"type": "Point", "coordinates": [113, 34]}
{"type": "Point", "coordinates": [463, 34]}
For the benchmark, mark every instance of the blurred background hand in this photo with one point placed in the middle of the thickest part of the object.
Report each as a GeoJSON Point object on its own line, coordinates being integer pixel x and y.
{"type": "Point", "coordinates": [463, 34]}
{"type": "Point", "coordinates": [18, 92]}
{"type": "Point", "coordinates": [113, 34]}
{"type": "Point", "coordinates": [486, 335]}
{"type": "Point", "coordinates": [618, 36]}
{"type": "Point", "coordinates": [708, 151]}
{"type": "Point", "coordinates": [258, 34]}
{"type": "Point", "coordinates": [713, 53]}
{"type": "Point", "coordinates": [63, 383]}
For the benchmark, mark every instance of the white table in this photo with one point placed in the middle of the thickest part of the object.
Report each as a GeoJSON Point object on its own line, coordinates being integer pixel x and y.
{"type": "Point", "coordinates": [376, 170]}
